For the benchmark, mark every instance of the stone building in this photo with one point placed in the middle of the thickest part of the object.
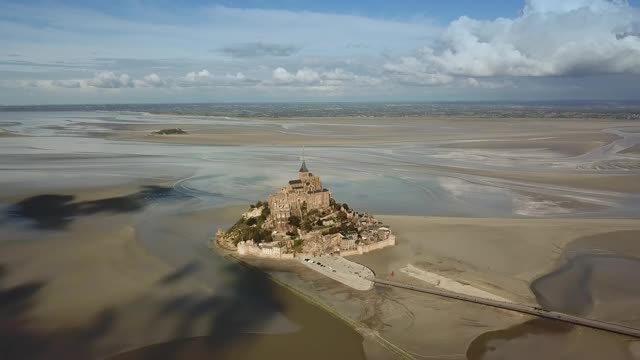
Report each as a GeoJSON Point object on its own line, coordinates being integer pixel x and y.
{"type": "Point", "coordinates": [304, 192]}
{"type": "Point", "coordinates": [273, 249]}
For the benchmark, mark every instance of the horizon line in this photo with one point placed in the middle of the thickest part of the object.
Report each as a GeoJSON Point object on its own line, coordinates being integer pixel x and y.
{"type": "Point", "coordinates": [548, 101]}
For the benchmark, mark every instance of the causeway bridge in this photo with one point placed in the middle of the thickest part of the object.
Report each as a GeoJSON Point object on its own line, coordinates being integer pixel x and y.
{"type": "Point", "coordinates": [525, 309]}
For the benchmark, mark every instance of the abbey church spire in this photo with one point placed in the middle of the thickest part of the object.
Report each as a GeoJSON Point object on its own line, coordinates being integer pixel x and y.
{"type": "Point", "coordinates": [303, 168]}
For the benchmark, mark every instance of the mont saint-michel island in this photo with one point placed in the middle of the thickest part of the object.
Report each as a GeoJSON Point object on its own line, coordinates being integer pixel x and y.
{"type": "Point", "coordinates": [470, 190]}
{"type": "Point", "coordinates": [303, 221]}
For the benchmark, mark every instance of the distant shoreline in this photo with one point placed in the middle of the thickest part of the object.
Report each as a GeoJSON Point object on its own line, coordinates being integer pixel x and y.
{"type": "Point", "coordinates": [484, 109]}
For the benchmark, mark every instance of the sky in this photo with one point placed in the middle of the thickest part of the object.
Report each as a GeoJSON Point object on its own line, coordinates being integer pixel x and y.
{"type": "Point", "coordinates": [162, 51]}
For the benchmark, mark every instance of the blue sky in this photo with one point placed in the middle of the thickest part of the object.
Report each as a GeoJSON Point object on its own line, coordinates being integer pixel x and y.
{"type": "Point", "coordinates": [444, 11]}
{"type": "Point", "coordinates": [300, 50]}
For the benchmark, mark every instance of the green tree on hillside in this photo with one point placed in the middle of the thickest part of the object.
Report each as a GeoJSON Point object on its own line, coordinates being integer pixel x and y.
{"type": "Point", "coordinates": [306, 225]}
{"type": "Point", "coordinates": [294, 220]}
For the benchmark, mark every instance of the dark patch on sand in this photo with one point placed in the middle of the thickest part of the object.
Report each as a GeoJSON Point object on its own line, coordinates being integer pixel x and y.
{"type": "Point", "coordinates": [55, 211]}
{"type": "Point", "coordinates": [250, 301]}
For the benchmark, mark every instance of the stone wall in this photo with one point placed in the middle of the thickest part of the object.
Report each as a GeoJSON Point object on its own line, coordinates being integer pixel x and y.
{"type": "Point", "coordinates": [363, 249]}
{"type": "Point", "coordinates": [379, 245]}
{"type": "Point", "coordinates": [318, 200]}
{"type": "Point", "coordinates": [249, 248]}
{"type": "Point", "coordinates": [350, 252]}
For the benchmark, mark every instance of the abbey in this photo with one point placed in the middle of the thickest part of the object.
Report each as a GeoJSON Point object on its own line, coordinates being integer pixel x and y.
{"type": "Point", "coordinates": [303, 194]}
{"type": "Point", "coordinates": [302, 219]}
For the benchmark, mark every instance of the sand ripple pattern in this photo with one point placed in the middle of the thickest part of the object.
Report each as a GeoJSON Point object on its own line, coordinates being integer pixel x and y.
{"type": "Point", "coordinates": [617, 164]}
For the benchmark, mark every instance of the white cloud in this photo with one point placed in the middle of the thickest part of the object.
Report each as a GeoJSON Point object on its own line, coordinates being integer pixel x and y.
{"type": "Point", "coordinates": [413, 71]}
{"type": "Point", "coordinates": [304, 75]}
{"type": "Point", "coordinates": [151, 80]}
{"type": "Point", "coordinates": [108, 79]}
{"type": "Point", "coordinates": [550, 38]}
{"type": "Point", "coordinates": [238, 76]}
{"type": "Point", "coordinates": [331, 81]}
{"type": "Point", "coordinates": [339, 74]}
{"type": "Point", "coordinates": [198, 76]}
{"type": "Point", "coordinates": [104, 80]}
{"type": "Point", "coordinates": [486, 84]}
{"type": "Point", "coordinates": [552, 49]}
{"type": "Point", "coordinates": [204, 78]}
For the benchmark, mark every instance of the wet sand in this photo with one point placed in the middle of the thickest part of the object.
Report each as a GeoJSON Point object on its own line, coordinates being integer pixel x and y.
{"type": "Point", "coordinates": [443, 166]}
{"type": "Point", "coordinates": [634, 150]}
{"type": "Point", "coordinates": [565, 154]}
{"type": "Point", "coordinates": [540, 339]}
{"type": "Point", "coordinates": [85, 285]}
{"type": "Point", "coordinates": [473, 251]}
{"type": "Point", "coordinates": [148, 279]}
{"type": "Point", "coordinates": [5, 133]}
{"type": "Point", "coordinates": [602, 182]}
{"type": "Point", "coordinates": [501, 256]}
{"type": "Point", "coordinates": [569, 137]}
{"type": "Point", "coordinates": [570, 145]}
{"type": "Point", "coordinates": [596, 278]}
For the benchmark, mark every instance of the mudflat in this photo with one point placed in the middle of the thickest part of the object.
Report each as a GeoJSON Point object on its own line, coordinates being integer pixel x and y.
{"type": "Point", "coordinates": [500, 256]}
{"type": "Point", "coordinates": [105, 231]}
{"type": "Point", "coordinates": [569, 136]}
{"type": "Point", "coordinates": [84, 285]}
{"type": "Point", "coordinates": [635, 150]}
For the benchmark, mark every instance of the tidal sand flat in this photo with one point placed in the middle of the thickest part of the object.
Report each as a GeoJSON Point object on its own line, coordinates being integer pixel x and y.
{"type": "Point", "coordinates": [443, 282]}
{"type": "Point", "coordinates": [105, 233]}
{"type": "Point", "coordinates": [499, 256]}
{"type": "Point", "coordinates": [468, 180]}
{"type": "Point", "coordinates": [78, 285]}
{"type": "Point", "coordinates": [634, 150]}
{"type": "Point", "coordinates": [593, 278]}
